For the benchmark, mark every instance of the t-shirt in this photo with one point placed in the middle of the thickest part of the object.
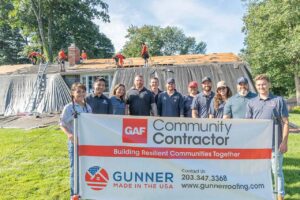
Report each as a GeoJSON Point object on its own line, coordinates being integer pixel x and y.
{"type": "Point", "coordinates": [187, 106]}
{"type": "Point", "coordinates": [170, 106]}
{"type": "Point", "coordinates": [139, 101]}
{"type": "Point", "coordinates": [217, 113]}
{"type": "Point", "coordinates": [201, 103]}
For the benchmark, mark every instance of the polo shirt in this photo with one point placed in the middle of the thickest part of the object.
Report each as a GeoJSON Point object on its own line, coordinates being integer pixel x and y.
{"type": "Point", "coordinates": [99, 105]}
{"type": "Point", "coordinates": [217, 113]}
{"type": "Point", "coordinates": [118, 106]}
{"type": "Point", "coordinates": [187, 105]}
{"type": "Point", "coordinates": [274, 107]}
{"type": "Point", "coordinates": [201, 103]}
{"type": "Point", "coordinates": [236, 105]}
{"type": "Point", "coordinates": [170, 106]}
{"type": "Point", "coordinates": [139, 101]}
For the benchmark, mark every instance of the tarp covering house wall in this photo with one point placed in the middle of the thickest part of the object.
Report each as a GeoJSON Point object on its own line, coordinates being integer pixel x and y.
{"type": "Point", "coordinates": [228, 72]}
{"type": "Point", "coordinates": [16, 90]}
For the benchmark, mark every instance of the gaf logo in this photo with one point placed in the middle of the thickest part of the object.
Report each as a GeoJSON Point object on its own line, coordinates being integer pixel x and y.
{"type": "Point", "coordinates": [134, 130]}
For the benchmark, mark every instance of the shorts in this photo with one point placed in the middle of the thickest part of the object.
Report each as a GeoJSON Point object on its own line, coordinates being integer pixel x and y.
{"type": "Point", "coordinates": [145, 56]}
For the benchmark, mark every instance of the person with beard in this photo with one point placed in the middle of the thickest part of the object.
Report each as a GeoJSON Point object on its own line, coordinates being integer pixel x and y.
{"type": "Point", "coordinates": [140, 100]}
{"type": "Point", "coordinates": [169, 103]}
{"type": "Point", "coordinates": [223, 93]}
{"type": "Point", "coordinates": [97, 100]}
{"type": "Point", "coordinates": [188, 99]}
{"type": "Point", "coordinates": [154, 83]}
{"type": "Point", "coordinates": [268, 106]}
{"type": "Point", "coordinates": [201, 102]}
{"type": "Point", "coordinates": [236, 105]}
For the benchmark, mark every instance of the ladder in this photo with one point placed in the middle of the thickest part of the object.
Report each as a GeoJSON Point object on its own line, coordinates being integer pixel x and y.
{"type": "Point", "coordinates": [38, 89]}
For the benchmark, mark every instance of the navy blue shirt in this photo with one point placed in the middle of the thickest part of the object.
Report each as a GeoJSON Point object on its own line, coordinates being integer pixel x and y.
{"type": "Point", "coordinates": [201, 103]}
{"type": "Point", "coordinates": [170, 106]}
{"type": "Point", "coordinates": [274, 107]}
{"type": "Point", "coordinates": [99, 105]}
{"type": "Point", "coordinates": [187, 106]}
{"type": "Point", "coordinates": [236, 105]}
{"type": "Point", "coordinates": [118, 106]}
{"type": "Point", "coordinates": [139, 101]}
{"type": "Point", "coordinates": [217, 113]}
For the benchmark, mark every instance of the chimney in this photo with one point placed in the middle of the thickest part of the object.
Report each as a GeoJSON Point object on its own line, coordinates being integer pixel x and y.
{"type": "Point", "coordinates": [73, 55]}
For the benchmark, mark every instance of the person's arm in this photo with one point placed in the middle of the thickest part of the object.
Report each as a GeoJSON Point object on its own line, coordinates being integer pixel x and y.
{"type": "Point", "coordinates": [67, 132]}
{"type": "Point", "coordinates": [249, 113]}
{"type": "Point", "coordinates": [283, 147]}
{"type": "Point", "coordinates": [195, 113]}
{"type": "Point", "coordinates": [66, 117]}
{"type": "Point", "coordinates": [127, 109]}
{"type": "Point", "coordinates": [181, 106]}
{"type": "Point", "coordinates": [159, 105]}
{"type": "Point", "coordinates": [227, 110]}
{"type": "Point", "coordinates": [194, 107]}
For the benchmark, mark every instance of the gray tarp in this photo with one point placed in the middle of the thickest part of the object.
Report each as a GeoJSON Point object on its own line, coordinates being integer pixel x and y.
{"type": "Point", "coordinates": [228, 72]}
{"type": "Point", "coordinates": [15, 91]}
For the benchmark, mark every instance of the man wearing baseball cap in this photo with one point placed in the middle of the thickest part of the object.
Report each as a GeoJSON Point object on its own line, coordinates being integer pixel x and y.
{"type": "Point", "coordinates": [201, 102]}
{"type": "Point", "coordinates": [188, 99]}
{"type": "Point", "coordinates": [236, 105]}
{"type": "Point", "coordinates": [169, 103]}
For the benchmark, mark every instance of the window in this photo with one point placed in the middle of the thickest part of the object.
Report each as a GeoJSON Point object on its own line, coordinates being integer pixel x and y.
{"type": "Point", "coordinates": [88, 81]}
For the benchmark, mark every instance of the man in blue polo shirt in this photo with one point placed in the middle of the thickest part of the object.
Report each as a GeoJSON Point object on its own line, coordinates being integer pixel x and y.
{"type": "Point", "coordinates": [99, 103]}
{"type": "Point", "coordinates": [170, 102]}
{"type": "Point", "coordinates": [139, 99]}
{"type": "Point", "coordinates": [236, 105]}
{"type": "Point", "coordinates": [269, 106]}
{"type": "Point", "coordinates": [201, 102]}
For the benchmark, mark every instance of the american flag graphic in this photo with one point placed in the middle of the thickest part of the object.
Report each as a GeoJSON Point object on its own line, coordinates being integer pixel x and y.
{"type": "Point", "coordinates": [96, 177]}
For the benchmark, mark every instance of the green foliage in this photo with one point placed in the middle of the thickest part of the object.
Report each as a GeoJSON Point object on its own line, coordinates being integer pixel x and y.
{"type": "Point", "coordinates": [52, 25]}
{"type": "Point", "coordinates": [34, 165]}
{"type": "Point", "coordinates": [272, 41]}
{"type": "Point", "coordinates": [296, 110]}
{"type": "Point", "coordinates": [161, 41]}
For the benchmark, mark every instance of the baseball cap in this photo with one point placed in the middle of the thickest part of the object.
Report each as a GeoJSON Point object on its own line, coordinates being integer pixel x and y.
{"type": "Point", "coordinates": [242, 80]}
{"type": "Point", "coordinates": [170, 80]}
{"type": "Point", "coordinates": [193, 84]}
{"type": "Point", "coordinates": [206, 78]}
{"type": "Point", "coordinates": [221, 84]}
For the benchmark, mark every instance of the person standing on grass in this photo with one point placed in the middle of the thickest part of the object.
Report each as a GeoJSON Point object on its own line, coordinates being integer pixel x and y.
{"type": "Point", "coordinates": [170, 102]}
{"type": "Point", "coordinates": [201, 102]}
{"type": "Point", "coordinates": [97, 100]}
{"type": "Point", "coordinates": [268, 106]}
{"type": "Point", "coordinates": [216, 108]}
{"type": "Point", "coordinates": [118, 100]}
{"type": "Point", "coordinates": [77, 106]}
{"type": "Point", "coordinates": [188, 99]}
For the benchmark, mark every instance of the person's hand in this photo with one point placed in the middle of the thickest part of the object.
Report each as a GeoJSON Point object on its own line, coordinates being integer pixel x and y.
{"type": "Point", "coordinates": [283, 148]}
{"type": "Point", "coordinates": [70, 137]}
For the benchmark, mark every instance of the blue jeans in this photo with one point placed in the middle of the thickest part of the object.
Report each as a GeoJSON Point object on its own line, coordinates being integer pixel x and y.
{"type": "Point", "coordinates": [279, 170]}
{"type": "Point", "coordinates": [71, 157]}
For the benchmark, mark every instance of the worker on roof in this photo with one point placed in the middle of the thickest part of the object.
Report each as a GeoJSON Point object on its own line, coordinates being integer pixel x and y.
{"type": "Point", "coordinates": [62, 57]}
{"type": "Point", "coordinates": [83, 55]}
{"type": "Point", "coordinates": [34, 56]}
{"type": "Point", "coordinates": [119, 58]}
{"type": "Point", "coordinates": [145, 54]}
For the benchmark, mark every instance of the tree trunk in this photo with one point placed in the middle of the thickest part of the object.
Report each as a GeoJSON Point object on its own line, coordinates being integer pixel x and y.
{"type": "Point", "coordinates": [297, 84]}
{"type": "Point", "coordinates": [50, 40]}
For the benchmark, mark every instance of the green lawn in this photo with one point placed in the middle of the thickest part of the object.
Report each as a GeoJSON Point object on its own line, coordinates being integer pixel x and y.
{"type": "Point", "coordinates": [294, 118]}
{"type": "Point", "coordinates": [34, 165]}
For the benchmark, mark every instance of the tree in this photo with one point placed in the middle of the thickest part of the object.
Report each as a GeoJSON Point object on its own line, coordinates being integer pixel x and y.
{"type": "Point", "coordinates": [272, 41]}
{"type": "Point", "coordinates": [59, 23]}
{"type": "Point", "coordinates": [161, 41]}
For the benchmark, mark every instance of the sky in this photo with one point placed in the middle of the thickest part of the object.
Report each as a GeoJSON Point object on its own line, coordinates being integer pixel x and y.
{"type": "Point", "coordinates": [216, 22]}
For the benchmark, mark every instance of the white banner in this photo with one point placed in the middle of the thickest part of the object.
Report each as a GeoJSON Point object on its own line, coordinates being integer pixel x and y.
{"type": "Point", "coordinates": [128, 158]}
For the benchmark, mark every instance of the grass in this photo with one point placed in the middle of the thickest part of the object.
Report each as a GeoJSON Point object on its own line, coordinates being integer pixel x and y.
{"type": "Point", "coordinates": [34, 165]}
{"type": "Point", "coordinates": [294, 118]}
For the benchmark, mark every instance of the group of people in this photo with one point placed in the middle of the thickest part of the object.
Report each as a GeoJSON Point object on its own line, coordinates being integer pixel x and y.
{"type": "Point", "coordinates": [141, 101]}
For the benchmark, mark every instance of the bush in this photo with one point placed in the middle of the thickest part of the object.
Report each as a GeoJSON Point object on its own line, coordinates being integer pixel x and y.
{"type": "Point", "coordinates": [296, 110]}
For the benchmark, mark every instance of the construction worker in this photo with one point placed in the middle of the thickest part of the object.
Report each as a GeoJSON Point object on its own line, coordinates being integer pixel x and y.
{"type": "Point", "coordinates": [83, 55]}
{"type": "Point", "coordinates": [145, 54]}
{"type": "Point", "coordinates": [33, 57]}
{"type": "Point", "coordinates": [119, 58]}
{"type": "Point", "coordinates": [61, 58]}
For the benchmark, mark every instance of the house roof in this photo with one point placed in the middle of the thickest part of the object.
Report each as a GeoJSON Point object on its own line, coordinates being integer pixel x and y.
{"type": "Point", "coordinates": [106, 64]}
